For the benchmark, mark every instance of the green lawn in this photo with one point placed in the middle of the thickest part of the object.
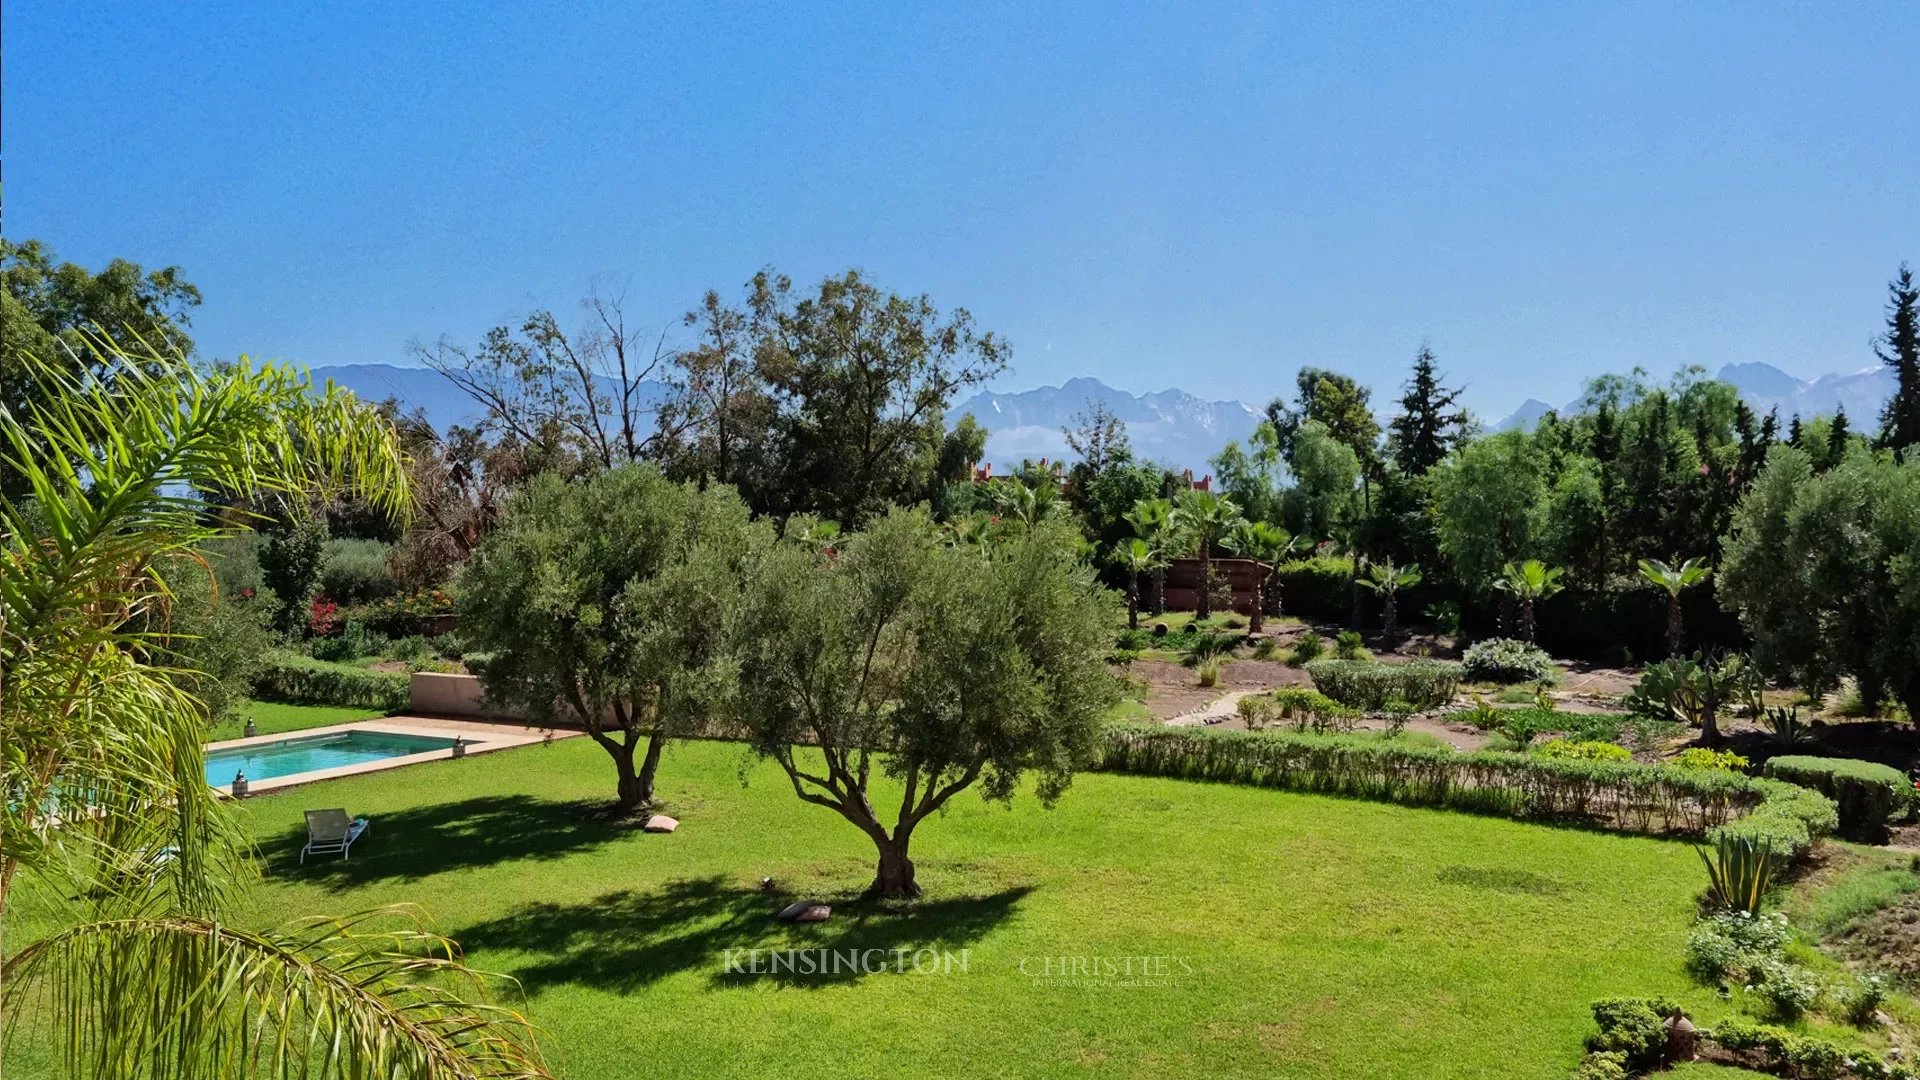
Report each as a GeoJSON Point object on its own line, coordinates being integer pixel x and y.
{"type": "Point", "coordinates": [273, 717]}
{"type": "Point", "coordinates": [1303, 936]}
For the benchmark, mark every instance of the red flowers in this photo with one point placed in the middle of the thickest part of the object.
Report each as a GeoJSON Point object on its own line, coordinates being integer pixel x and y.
{"type": "Point", "coordinates": [323, 617]}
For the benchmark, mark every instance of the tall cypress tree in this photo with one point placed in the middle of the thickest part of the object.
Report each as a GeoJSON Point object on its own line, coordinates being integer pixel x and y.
{"type": "Point", "coordinates": [1899, 349]}
{"type": "Point", "coordinates": [1430, 420]}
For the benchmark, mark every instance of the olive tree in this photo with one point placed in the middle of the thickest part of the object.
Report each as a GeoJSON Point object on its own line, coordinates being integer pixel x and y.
{"type": "Point", "coordinates": [605, 601]}
{"type": "Point", "coordinates": [937, 666]}
{"type": "Point", "coordinates": [1822, 570]}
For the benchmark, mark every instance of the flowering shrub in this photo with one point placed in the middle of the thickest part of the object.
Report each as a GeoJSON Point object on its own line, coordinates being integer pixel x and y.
{"type": "Point", "coordinates": [407, 613]}
{"type": "Point", "coordinates": [323, 617]}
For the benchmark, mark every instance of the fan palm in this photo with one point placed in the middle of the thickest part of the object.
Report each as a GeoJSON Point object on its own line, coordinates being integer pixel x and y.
{"type": "Point", "coordinates": [1152, 521]}
{"type": "Point", "coordinates": [1203, 518]}
{"type": "Point", "coordinates": [1674, 579]}
{"type": "Point", "coordinates": [103, 767]}
{"type": "Point", "coordinates": [1387, 579]}
{"type": "Point", "coordinates": [1529, 582]}
{"type": "Point", "coordinates": [1136, 557]}
{"type": "Point", "coordinates": [1265, 544]}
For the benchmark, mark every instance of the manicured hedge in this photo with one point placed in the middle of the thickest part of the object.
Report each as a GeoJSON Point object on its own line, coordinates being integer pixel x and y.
{"type": "Point", "coordinates": [1363, 684]}
{"type": "Point", "coordinates": [291, 677]}
{"type": "Point", "coordinates": [1615, 794]}
{"type": "Point", "coordinates": [1317, 588]}
{"type": "Point", "coordinates": [1868, 793]}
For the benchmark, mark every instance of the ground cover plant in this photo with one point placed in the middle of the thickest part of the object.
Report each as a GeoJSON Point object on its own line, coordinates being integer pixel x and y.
{"type": "Point", "coordinates": [1484, 940]}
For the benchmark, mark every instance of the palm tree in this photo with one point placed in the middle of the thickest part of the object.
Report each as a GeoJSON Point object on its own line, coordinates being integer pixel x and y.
{"type": "Point", "coordinates": [1529, 582]}
{"type": "Point", "coordinates": [1204, 517]}
{"type": "Point", "coordinates": [103, 771]}
{"type": "Point", "coordinates": [1387, 579]}
{"type": "Point", "coordinates": [1135, 556]}
{"type": "Point", "coordinates": [1017, 501]}
{"type": "Point", "coordinates": [1674, 579]}
{"type": "Point", "coordinates": [1152, 521]}
{"type": "Point", "coordinates": [1262, 543]}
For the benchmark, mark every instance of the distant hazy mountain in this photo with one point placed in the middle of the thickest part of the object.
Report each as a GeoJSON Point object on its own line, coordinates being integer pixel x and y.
{"type": "Point", "coordinates": [1171, 427]}
{"type": "Point", "coordinates": [1527, 415]}
{"type": "Point", "coordinates": [1765, 387]}
{"type": "Point", "coordinates": [1862, 393]}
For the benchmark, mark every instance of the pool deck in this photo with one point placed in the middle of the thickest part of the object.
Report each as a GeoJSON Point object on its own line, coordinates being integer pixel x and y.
{"type": "Point", "coordinates": [482, 738]}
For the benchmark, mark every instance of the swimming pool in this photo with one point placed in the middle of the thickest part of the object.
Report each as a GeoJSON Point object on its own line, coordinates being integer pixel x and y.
{"type": "Point", "coordinates": [285, 757]}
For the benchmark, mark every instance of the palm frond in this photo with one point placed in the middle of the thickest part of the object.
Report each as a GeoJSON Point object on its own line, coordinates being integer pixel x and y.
{"type": "Point", "coordinates": [181, 996]}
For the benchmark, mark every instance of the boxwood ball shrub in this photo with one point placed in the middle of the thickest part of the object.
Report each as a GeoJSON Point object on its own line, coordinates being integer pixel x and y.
{"type": "Point", "coordinates": [1867, 792]}
{"type": "Point", "coordinates": [1507, 660]}
{"type": "Point", "coordinates": [1362, 684]}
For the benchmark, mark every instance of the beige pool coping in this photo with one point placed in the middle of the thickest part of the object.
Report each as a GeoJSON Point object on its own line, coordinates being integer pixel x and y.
{"type": "Point", "coordinates": [481, 738]}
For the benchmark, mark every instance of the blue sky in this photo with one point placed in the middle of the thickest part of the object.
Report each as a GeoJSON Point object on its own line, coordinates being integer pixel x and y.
{"type": "Point", "coordinates": [1153, 195]}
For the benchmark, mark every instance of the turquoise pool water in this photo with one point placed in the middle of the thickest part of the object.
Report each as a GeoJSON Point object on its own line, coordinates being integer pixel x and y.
{"type": "Point", "coordinates": [298, 754]}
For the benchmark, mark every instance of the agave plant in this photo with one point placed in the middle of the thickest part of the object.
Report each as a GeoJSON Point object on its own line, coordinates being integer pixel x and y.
{"type": "Point", "coordinates": [150, 981]}
{"type": "Point", "coordinates": [1387, 579]}
{"type": "Point", "coordinates": [1674, 579]}
{"type": "Point", "coordinates": [1739, 872]}
{"type": "Point", "coordinates": [1529, 582]}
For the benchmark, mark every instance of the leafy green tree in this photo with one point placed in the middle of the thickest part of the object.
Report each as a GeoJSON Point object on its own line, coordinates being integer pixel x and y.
{"type": "Point", "coordinates": [1431, 421]}
{"type": "Point", "coordinates": [1252, 476]}
{"type": "Point", "coordinates": [1675, 580]}
{"type": "Point", "coordinates": [1821, 570]}
{"type": "Point", "coordinates": [150, 977]}
{"type": "Point", "coordinates": [938, 665]}
{"type": "Point", "coordinates": [1203, 518]}
{"type": "Point", "coordinates": [605, 601]}
{"type": "Point", "coordinates": [865, 377]}
{"type": "Point", "coordinates": [290, 562]}
{"type": "Point", "coordinates": [1899, 349]}
{"type": "Point", "coordinates": [1489, 503]}
{"type": "Point", "coordinates": [1327, 477]}
{"type": "Point", "coordinates": [1529, 583]}
{"type": "Point", "coordinates": [1387, 579]}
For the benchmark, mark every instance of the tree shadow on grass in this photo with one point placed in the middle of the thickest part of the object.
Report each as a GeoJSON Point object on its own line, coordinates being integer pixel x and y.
{"type": "Point", "coordinates": [626, 940]}
{"type": "Point", "coordinates": [485, 830]}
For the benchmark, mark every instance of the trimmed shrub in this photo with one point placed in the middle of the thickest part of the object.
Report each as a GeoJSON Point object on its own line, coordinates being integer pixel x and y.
{"type": "Point", "coordinates": [1635, 1028]}
{"type": "Point", "coordinates": [1611, 1065]}
{"type": "Point", "coordinates": [1868, 793]}
{"type": "Point", "coordinates": [1359, 684]}
{"type": "Point", "coordinates": [1798, 1055]}
{"type": "Point", "coordinates": [1507, 660]}
{"type": "Point", "coordinates": [1320, 587]}
{"type": "Point", "coordinates": [1621, 795]}
{"type": "Point", "coordinates": [291, 677]}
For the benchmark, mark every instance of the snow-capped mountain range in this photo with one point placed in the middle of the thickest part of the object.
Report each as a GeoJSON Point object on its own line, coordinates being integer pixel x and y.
{"type": "Point", "coordinates": [1765, 387]}
{"type": "Point", "coordinates": [1171, 427]}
